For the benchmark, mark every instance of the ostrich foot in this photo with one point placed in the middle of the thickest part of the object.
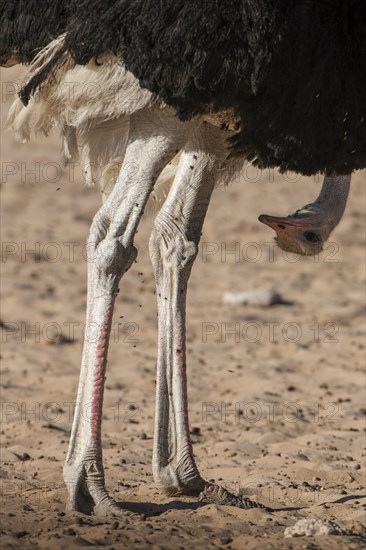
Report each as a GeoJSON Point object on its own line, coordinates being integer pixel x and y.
{"type": "Point", "coordinates": [109, 507]}
{"type": "Point", "coordinates": [214, 494]}
{"type": "Point", "coordinates": [103, 505]}
{"type": "Point", "coordinates": [211, 493]}
{"type": "Point", "coordinates": [88, 495]}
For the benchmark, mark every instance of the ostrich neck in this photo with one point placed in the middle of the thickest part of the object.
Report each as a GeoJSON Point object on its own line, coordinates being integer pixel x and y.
{"type": "Point", "coordinates": [331, 202]}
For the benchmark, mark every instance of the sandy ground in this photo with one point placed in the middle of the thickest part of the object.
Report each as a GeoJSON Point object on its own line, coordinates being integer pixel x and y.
{"type": "Point", "coordinates": [276, 394]}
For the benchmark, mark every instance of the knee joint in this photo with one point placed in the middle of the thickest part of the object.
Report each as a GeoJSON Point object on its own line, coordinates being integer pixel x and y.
{"type": "Point", "coordinates": [170, 246]}
{"type": "Point", "coordinates": [110, 254]}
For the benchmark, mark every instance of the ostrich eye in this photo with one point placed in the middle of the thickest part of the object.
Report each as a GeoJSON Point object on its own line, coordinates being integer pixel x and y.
{"type": "Point", "coordinates": [312, 237]}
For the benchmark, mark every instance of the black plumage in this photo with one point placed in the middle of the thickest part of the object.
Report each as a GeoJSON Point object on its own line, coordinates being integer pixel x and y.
{"type": "Point", "coordinates": [193, 54]}
{"type": "Point", "coordinates": [28, 25]}
{"type": "Point", "coordinates": [293, 71]}
{"type": "Point", "coordinates": [310, 114]}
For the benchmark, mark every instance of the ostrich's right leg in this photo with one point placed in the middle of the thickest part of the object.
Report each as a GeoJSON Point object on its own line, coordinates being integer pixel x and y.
{"type": "Point", "coordinates": [173, 248]}
{"type": "Point", "coordinates": [155, 136]}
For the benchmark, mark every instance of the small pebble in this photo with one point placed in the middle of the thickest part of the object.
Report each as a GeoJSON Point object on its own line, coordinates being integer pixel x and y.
{"type": "Point", "coordinates": [23, 457]}
{"type": "Point", "coordinates": [69, 531]}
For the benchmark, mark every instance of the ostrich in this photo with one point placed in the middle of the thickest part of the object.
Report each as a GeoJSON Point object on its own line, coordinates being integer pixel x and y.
{"type": "Point", "coordinates": [290, 108]}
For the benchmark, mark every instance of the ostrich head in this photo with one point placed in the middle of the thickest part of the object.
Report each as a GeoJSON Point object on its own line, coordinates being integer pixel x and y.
{"type": "Point", "coordinates": [301, 235]}
{"type": "Point", "coordinates": [306, 231]}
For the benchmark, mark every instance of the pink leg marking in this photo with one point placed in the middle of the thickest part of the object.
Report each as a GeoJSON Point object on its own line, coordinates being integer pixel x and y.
{"type": "Point", "coordinates": [99, 377]}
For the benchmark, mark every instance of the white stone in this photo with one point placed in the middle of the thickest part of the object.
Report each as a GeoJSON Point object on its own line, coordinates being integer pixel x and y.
{"type": "Point", "coordinates": [313, 528]}
{"type": "Point", "coordinates": [264, 297]}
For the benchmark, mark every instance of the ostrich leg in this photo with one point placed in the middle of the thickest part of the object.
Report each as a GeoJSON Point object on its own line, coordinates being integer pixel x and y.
{"type": "Point", "coordinates": [155, 135]}
{"type": "Point", "coordinates": [173, 249]}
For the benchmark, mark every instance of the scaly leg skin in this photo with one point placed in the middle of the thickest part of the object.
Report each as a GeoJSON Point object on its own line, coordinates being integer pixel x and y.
{"type": "Point", "coordinates": [155, 135]}
{"type": "Point", "coordinates": [173, 249]}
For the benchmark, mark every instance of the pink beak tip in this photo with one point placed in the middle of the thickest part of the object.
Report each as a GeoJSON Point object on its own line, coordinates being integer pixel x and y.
{"type": "Point", "coordinates": [276, 222]}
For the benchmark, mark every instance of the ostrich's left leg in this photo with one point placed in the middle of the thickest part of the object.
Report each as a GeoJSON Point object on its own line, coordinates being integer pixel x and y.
{"type": "Point", "coordinates": [173, 249]}
{"type": "Point", "coordinates": [155, 136]}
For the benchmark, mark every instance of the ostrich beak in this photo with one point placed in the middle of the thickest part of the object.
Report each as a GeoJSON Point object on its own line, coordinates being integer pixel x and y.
{"type": "Point", "coordinates": [288, 224]}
